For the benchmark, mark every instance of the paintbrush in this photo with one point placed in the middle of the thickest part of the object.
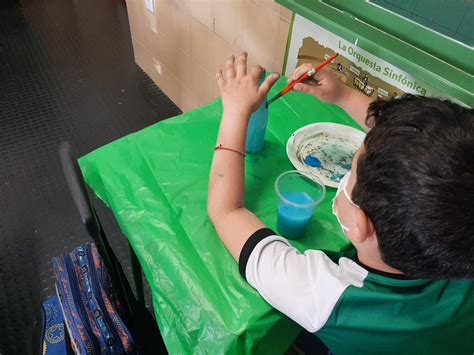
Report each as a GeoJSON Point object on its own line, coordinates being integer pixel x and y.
{"type": "Point", "coordinates": [301, 78]}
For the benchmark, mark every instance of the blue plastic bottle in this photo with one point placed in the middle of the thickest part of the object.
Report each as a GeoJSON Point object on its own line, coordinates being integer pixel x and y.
{"type": "Point", "coordinates": [257, 125]}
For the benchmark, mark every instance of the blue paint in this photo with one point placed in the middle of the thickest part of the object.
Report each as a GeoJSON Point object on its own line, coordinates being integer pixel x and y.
{"type": "Point", "coordinates": [257, 125]}
{"type": "Point", "coordinates": [311, 160]}
{"type": "Point", "coordinates": [292, 220]}
{"type": "Point", "coordinates": [337, 176]}
{"type": "Point", "coordinates": [344, 165]}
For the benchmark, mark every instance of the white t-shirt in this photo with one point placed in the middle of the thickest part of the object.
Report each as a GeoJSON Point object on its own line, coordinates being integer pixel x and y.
{"type": "Point", "coordinates": [305, 287]}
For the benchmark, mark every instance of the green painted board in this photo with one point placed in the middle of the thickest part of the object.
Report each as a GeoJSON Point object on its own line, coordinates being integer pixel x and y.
{"type": "Point", "coordinates": [453, 18]}
{"type": "Point", "coordinates": [427, 55]}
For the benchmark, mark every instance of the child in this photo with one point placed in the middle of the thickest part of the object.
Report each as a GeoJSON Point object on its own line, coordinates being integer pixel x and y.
{"type": "Point", "coordinates": [407, 206]}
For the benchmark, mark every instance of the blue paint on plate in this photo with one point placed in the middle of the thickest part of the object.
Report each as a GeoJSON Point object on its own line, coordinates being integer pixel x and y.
{"type": "Point", "coordinates": [337, 177]}
{"type": "Point", "coordinates": [311, 160]}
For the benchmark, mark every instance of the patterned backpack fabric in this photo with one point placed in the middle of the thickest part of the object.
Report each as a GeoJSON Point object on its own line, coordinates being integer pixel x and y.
{"type": "Point", "coordinates": [92, 312]}
{"type": "Point", "coordinates": [50, 337]}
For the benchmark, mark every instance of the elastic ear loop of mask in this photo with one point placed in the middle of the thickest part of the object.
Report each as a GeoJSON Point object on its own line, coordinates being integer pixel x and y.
{"type": "Point", "coordinates": [344, 190]}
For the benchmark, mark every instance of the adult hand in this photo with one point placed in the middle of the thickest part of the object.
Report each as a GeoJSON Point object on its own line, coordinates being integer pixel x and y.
{"type": "Point", "coordinates": [239, 89]}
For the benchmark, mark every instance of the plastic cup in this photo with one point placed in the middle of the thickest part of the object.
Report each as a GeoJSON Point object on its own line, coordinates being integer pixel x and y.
{"type": "Point", "coordinates": [298, 195]}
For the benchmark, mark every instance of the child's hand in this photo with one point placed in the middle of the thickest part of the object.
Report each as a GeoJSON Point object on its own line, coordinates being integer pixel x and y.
{"type": "Point", "coordinates": [239, 90]}
{"type": "Point", "coordinates": [328, 87]}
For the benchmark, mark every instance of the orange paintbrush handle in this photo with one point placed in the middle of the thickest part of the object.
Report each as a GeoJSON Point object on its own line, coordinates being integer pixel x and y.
{"type": "Point", "coordinates": [302, 78]}
{"type": "Point", "coordinates": [319, 66]}
{"type": "Point", "coordinates": [309, 73]}
{"type": "Point", "coordinates": [299, 80]}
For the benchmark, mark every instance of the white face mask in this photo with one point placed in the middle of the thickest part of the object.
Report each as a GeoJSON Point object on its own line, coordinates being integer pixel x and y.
{"type": "Point", "coordinates": [342, 187]}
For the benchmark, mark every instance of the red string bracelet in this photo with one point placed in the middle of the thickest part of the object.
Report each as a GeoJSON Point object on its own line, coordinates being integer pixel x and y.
{"type": "Point", "coordinates": [220, 147]}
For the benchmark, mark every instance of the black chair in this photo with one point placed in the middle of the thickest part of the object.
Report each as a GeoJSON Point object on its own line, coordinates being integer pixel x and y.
{"type": "Point", "coordinates": [140, 322]}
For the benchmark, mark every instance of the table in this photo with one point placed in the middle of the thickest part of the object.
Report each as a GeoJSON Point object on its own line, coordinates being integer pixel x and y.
{"type": "Point", "coordinates": [155, 182]}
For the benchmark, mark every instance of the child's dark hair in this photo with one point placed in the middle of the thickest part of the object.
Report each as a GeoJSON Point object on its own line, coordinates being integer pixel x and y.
{"type": "Point", "coordinates": [415, 181]}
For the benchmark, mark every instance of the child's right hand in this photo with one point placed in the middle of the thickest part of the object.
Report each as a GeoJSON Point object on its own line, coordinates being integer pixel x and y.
{"type": "Point", "coordinates": [328, 87]}
{"type": "Point", "coordinates": [332, 90]}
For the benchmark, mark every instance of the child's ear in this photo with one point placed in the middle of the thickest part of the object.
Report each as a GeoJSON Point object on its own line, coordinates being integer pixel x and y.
{"type": "Point", "coordinates": [370, 229]}
{"type": "Point", "coordinates": [365, 227]}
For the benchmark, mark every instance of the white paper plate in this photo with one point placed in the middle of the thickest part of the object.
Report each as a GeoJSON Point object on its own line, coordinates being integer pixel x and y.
{"type": "Point", "coordinates": [333, 144]}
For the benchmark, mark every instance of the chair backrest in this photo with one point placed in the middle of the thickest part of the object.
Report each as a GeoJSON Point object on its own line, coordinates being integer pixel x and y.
{"type": "Point", "coordinates": [78, 190]}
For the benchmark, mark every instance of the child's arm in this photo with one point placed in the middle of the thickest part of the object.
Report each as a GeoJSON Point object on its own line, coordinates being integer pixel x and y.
{"type": "Point", "coordinates": [332, 90]}
{"type": "Point", "coordinates": [240, 97]}
{"type": "Point", "coordinates": [304, 287]}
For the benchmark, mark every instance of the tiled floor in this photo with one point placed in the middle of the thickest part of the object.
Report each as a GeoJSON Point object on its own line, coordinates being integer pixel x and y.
{"type": "Point", "coordinates": [67, 73]}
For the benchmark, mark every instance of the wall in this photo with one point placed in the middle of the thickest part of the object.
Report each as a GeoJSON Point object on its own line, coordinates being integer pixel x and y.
{"type": "Point", "coordinates": [182, 43]}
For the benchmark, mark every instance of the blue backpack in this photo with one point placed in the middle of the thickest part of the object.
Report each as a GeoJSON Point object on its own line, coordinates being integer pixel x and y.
{"type": "Point", "coordinates": [93, 314]}
{"type": "Point", "coordinates": [50, 332]}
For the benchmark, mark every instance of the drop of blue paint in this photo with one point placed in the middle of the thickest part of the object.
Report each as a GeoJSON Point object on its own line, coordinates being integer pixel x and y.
{"type": "Point", "coordinates": [312, 161]}
{"type": "Point", "coordinates": [337, 177]}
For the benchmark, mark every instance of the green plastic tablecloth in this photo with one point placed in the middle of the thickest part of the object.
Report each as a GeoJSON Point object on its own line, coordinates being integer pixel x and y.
{"type": "Point", "coordinates": [155, 182]}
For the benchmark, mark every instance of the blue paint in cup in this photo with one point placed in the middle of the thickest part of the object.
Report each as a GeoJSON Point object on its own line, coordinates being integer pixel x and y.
{"type": "Point", "coordinates": [292, 220]}
{"type": "Point", "coordinates": [298, 195]}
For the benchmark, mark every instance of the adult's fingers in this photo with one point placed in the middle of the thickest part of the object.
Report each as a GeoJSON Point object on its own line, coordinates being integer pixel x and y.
{"type": "Point", "coordinates": [230, 67]}
{"type": "Point", "coordinates": [242, 65]}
